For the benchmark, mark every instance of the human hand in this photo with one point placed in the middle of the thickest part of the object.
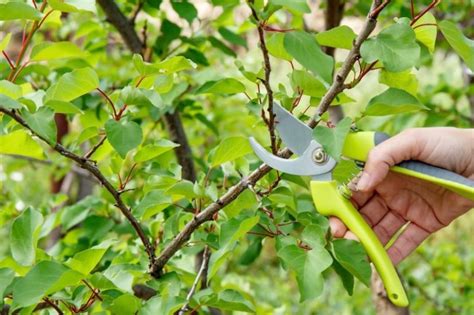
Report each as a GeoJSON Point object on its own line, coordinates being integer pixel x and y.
{"type": "Point", "coordinates": [389, 200]}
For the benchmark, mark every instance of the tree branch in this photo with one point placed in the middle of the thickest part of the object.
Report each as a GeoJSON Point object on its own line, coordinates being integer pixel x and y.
{"type": "Point", "coordinates": [92, 168]}
{"type": "Point", "coordinates": [207, 214]}
{"type": "Point", "coordinates": [332, 18]}
{"type": "Point", "coordinates": [122, 24]}
{"type": "Point", "coordinates": [202, 270]}
{"type": "Point", "coordinates": [266, 82]}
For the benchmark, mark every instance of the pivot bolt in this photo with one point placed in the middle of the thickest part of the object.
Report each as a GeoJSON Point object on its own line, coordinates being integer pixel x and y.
{"type": "Point", "coordinates": [319, 156]}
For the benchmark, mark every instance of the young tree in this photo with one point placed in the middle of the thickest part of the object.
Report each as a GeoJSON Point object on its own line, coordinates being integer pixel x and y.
{"type": "Point", "coordinates": [138, 113]}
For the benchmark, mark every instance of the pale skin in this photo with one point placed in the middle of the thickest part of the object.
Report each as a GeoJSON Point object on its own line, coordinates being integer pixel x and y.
{"type": "Point", "coordinates": [388, 200]}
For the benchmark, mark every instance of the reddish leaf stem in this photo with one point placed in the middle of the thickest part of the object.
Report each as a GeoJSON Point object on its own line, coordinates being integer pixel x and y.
{"type": "Point", "coordinates": [12, 66]}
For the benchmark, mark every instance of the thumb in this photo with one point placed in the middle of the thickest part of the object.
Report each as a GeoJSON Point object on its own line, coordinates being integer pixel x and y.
{"type": "Point", "coordinates": [404, 146]}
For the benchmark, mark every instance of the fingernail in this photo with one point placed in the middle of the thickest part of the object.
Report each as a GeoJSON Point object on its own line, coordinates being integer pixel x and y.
{"type": "Point", "coordinates": [364, 182]}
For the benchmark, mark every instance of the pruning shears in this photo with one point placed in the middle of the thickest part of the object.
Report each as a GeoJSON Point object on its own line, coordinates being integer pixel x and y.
{"type": "Point", "coordinates": [330, 199]}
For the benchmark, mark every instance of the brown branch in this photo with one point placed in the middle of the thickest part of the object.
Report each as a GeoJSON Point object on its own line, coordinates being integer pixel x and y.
{"type": "Point", "coordinates": [208, 213]}
{"type": "Point", "coordinates": [92, 169]}
{"type": "Point", "coordinates": [202, 270]}
{"type": "Point", "coordinates": [266, 82]}
{"type": "Point", "coordinates": [332, 18]}
{"type": "Point", "coordinates": [122, 24]}
{"type": "Point", "coordinates": [424, 11]}
{"type": "Point", "coordinates": [94, 148]}
{"type": "Point", "coordinates": [51, 303]}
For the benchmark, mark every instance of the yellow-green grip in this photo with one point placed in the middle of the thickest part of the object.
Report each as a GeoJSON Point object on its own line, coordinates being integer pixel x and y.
{"type": "Point", "coordinates": [359, 144]}
{"type": "Point", "coordinates": [330, 202]}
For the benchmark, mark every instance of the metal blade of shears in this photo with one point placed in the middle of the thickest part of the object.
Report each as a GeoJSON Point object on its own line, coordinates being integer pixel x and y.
{"type": "Point", "coordinates": [293, 132]}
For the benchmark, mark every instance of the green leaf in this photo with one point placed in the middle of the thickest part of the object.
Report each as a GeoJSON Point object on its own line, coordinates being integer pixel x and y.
{"type": "Point", "coordinates": [351, 255]}
{"type": "Point", "coordinates": [42, 122]}
{"type": "Point", "coordinates": [221, 46]}
{"type": "Point", "coordinates": [175, 64]}
{"type": "Point", "coordinates": [24, 236]}
{"type": "Point", "coordinates": [391, 102]}
{"type": "Point", "coordinates": [232, 37]}
{"type": "Point", "coordinates": [462, 45]}
{"type": "Point", "coordinates": [223, 86]}
{"type": "Point", "coordinates": [123, 136]}
{"type": "Point", "coordinates": [304, 48]}
{"type": "Point", "coordinates": [337, 37]}
{"type": "Point", "coordinates": [19, 142]}
{"type": "Point", "coordinates": [6, 277]}
{"type": "Point", "coordinates": [234, 229]}
{"type": "Point", "coordinates": [332, 139]}
{"type": "Point", "coordinates": [308, 266]}
{"type": "Point", "coordinates": [125, 304]}
{"type": "Point", "coordinates": [314, 235]}
{"type": "Point", "coordinates": [395, 47]}
{"type": "Point", "coordinates": [297, 5]}
{"type": "Point", "coordinates": [86, 260]}
{"type": "Point", "coordinates": [56, 50]}
{"type": "Point", "coordinates": [426, 34]}
{"type": "Point", "coordinates": [10, 89]}
{"type": "Point", "coordinates": [18, 11]}
{"type": "Point", "coordinates": [346, 277]}
{"type": "Point", "coordinates": [229, 300]}
{"type": "Point", "coordinates": [252, 252]}
{"type": "Point", "coordinates": [63, 107]}
{"type": "Point", "coordinates": [183, 188]}
{"type": "Point", "coordinates": [73, 5]}
{"type": "Point", "coordinates": [276, 47]}
{"type": "Point", "coordinates": [5, 41]}
{"type": "Point", "coordinates": [153, 202]}
{"type": "Point", "coordinates": [76, 213]}
{"type": "Point", "coordinates": [151, 151]}
{"type": "Point", "coordinates": [73, 84]}
{"type": "Point", "coordinates": [9, 103]}
{"type": "Point", "coordinates": [245, 201]}
{"type": "Point", "coordinates": [144, 68]}
{"type": "Point", "coordinates": [307, 83]}
{"type": "Point", "coordinates": [37, 283]}
{"type": "Point", "coordinates": [135, 96]}
{"type": "Point", "coordinates": [404, 80]}
{"type": "Point", "coordinates": [230, 149]}
{"type": "Point", "coordinates": [185, 10]}
{"type": "Point", "coordinates": [231, 232]}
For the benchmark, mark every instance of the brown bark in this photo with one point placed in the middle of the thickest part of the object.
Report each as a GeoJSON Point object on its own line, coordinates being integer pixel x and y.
{"type": "Point", "coordinates": [332, 18]}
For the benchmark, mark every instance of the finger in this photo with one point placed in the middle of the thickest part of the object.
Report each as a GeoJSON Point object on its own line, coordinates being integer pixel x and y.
{"type": "Point", "coordinates": [388, 226]}
{"type": "Point", "coordinates": [374, 210]}
{"type": "Point", "coordinates": [410, 239]}
{"type": "Point", "coordinates": [351, 236]}
{"type": "Point", "coordinates": [404, 146]}
{"type": "Point", "coordinates": [338, 229]}
{"type": "Point", "coordinates": [360, 198]}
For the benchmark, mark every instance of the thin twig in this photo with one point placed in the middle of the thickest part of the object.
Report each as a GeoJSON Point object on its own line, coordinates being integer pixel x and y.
{"type": "Point", "coordinates": [53, 305]}
{"type": "Point", "coordinates": [95, 147]}
{"type": "Point", "coordinates": [205, 260]}
{"type": "Point", "coordinates": [424, 11]}
{"type": "Point", "coordinates": [109, 101]}
{"type": "Point", "coordinates": [10, 63]}
{"type": "Point", "coordinates": [266, 82]}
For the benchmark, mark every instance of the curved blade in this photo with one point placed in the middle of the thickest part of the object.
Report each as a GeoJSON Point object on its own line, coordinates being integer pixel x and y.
{"type": "Point", "coordinates": [303, 165]}
{"type": "Point", "coordinates": [294, 133]}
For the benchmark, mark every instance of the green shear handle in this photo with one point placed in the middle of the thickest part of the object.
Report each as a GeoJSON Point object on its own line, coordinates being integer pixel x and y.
{"type": "Point", "coordinates": [330, 202]}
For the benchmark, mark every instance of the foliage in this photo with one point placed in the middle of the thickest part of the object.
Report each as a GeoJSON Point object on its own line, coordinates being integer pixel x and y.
{"type": "Point", "coordinates": [94, 188]}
